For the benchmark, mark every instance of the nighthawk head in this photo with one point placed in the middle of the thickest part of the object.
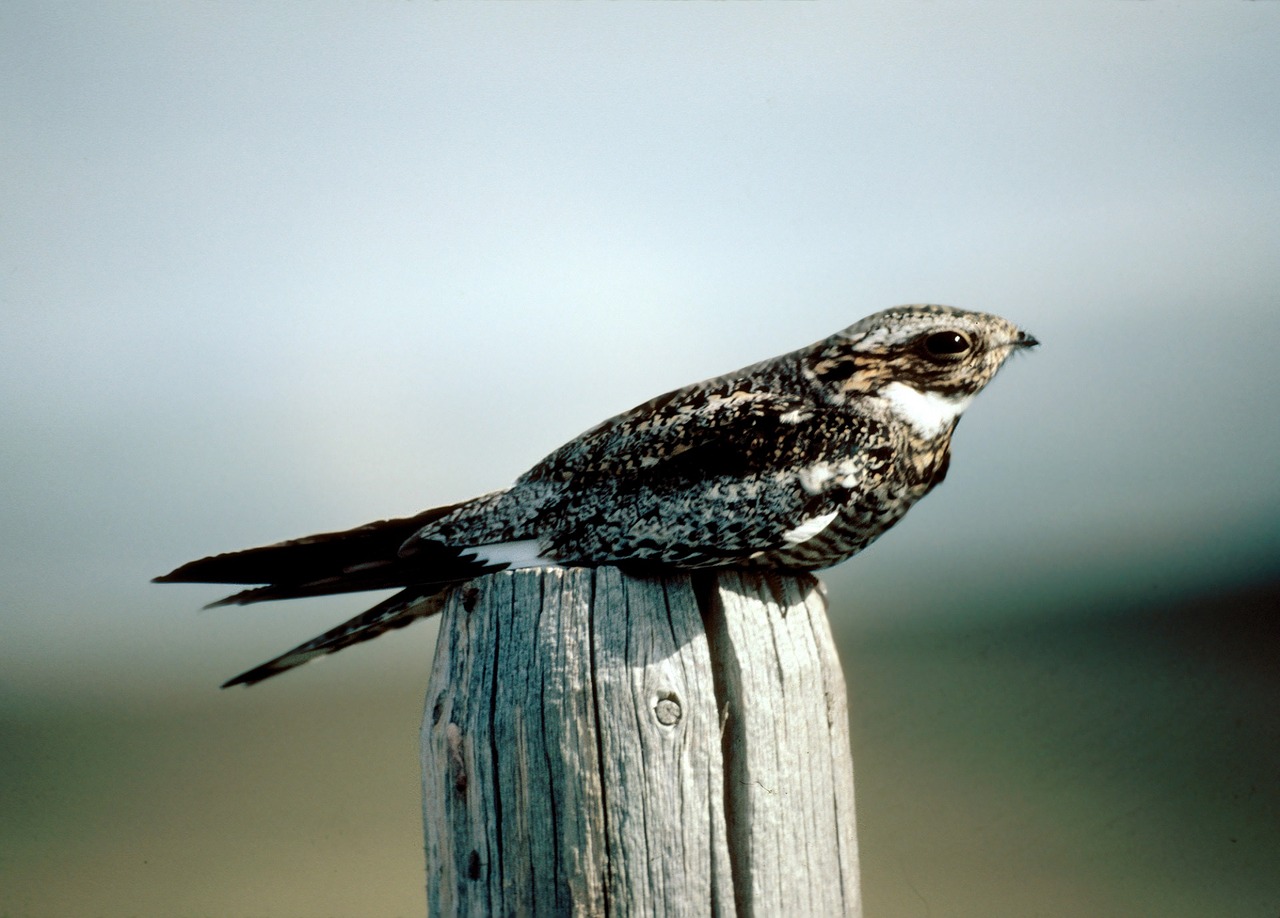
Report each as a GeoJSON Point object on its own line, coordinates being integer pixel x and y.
{"type": "Point", "coordinates": [928, 362]}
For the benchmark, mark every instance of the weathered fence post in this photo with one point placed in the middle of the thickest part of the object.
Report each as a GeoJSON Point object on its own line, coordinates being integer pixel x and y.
{"type": "Point", "coordinates": [596, 743]}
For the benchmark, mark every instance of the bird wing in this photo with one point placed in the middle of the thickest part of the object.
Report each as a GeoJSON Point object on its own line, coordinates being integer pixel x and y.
{"type": "Point", "coordinates": [701, 477]}
{"type": "Point", "coordinates": [662, 429]}
{"type": "Point", "coordinates": [354, 560]}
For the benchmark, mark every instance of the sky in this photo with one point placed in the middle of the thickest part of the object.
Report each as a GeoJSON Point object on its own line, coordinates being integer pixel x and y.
{"type": "Point", "coordinates": [267, 270]}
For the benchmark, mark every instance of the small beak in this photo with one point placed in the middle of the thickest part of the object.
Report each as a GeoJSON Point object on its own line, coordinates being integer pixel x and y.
{"type": "Point", "coordinates": [1026, 339]}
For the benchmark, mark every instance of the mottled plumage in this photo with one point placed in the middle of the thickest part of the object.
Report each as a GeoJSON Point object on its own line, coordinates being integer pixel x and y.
{"type": "Point", "coordinates": [793, 463]}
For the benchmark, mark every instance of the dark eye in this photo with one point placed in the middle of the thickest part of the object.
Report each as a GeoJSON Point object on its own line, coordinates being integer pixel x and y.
{"type": "Point", "coordinates": [946, 344]}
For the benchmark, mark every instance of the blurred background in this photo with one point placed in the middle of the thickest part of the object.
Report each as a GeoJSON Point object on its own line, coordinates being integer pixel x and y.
{"type": "Point", "coordinates": [271, 269]}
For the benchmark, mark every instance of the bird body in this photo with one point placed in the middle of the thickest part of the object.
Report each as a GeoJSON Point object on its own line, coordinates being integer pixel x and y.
{"type": "Point", "coordinates": [794, 463]}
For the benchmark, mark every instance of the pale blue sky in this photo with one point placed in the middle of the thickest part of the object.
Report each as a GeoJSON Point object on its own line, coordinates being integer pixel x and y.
{"type": "Point", "coordinates": [270, 269]}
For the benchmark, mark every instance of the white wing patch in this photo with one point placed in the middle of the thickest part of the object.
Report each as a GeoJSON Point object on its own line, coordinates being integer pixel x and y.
{"type": "Point", "coordinates": [928, 413]}
{"type": "Point", "coordinates": [819, 477]}
{"type": "Point", "coordinates": [809, 528]}
{"type": "Point", "coordinates": [524, 553]}
{"type": "Point", "coordinates": [814, 478]}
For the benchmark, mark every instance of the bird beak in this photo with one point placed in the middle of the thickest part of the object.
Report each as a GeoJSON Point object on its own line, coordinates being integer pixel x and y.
{"type": "Point", "coordinates": [1024, 340]}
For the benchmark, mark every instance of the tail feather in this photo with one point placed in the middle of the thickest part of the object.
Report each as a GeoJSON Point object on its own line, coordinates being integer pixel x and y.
{"type": "Point", "coordinates": [365, 558]}
{"type": "Point", "coordinates": [394, 612]}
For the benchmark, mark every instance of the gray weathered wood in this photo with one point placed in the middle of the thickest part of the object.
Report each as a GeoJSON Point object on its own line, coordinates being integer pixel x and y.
{"type": "Point", "coordinates": [789, 771]}
{"type": "Point", "coordinates": [590, 747]}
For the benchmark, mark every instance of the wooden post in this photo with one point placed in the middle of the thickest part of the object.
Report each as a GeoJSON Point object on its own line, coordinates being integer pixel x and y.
{"type": "Point", "coordinates": [596, 743]}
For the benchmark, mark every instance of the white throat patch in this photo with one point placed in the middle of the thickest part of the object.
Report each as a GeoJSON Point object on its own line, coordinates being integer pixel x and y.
{"type": "Point", "coordinates": [928, 413]}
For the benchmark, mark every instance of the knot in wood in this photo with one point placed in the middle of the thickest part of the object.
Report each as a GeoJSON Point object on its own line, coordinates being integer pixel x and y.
{"type": "Point", "coordinates": [668, 710]}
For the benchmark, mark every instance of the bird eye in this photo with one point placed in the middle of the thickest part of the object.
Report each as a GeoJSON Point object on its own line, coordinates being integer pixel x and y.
{"type": "Point", "coordinates": [947, 344]}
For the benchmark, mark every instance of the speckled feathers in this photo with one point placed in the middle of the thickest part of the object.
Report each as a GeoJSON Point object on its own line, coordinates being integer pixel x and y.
{"type": "Point", "coordinates": [796, 462]}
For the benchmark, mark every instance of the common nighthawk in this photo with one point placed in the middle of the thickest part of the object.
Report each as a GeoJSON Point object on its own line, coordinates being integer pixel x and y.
{"type": "Point", "coordinates": [792, 464]}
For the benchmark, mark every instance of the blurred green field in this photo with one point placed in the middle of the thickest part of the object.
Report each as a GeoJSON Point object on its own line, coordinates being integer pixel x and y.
{"type": "Point", "coordinates": [1118, 764]}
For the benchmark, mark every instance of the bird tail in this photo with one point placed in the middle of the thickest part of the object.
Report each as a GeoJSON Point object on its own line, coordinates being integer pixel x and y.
{"type": "Point", "coordinates": [394, 612]}
{"type": "Point", "coordinates": [365, 558]}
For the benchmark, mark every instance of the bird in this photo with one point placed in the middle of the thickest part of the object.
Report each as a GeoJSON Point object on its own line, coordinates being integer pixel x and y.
{"type": "Point", "coordinates": [791, 464]}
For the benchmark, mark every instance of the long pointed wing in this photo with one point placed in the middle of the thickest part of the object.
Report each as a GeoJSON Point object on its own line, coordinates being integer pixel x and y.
{"type": "Point", "coordinates": [309, 558]}
{"type": "Point", "coordinates": [706, 477]}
